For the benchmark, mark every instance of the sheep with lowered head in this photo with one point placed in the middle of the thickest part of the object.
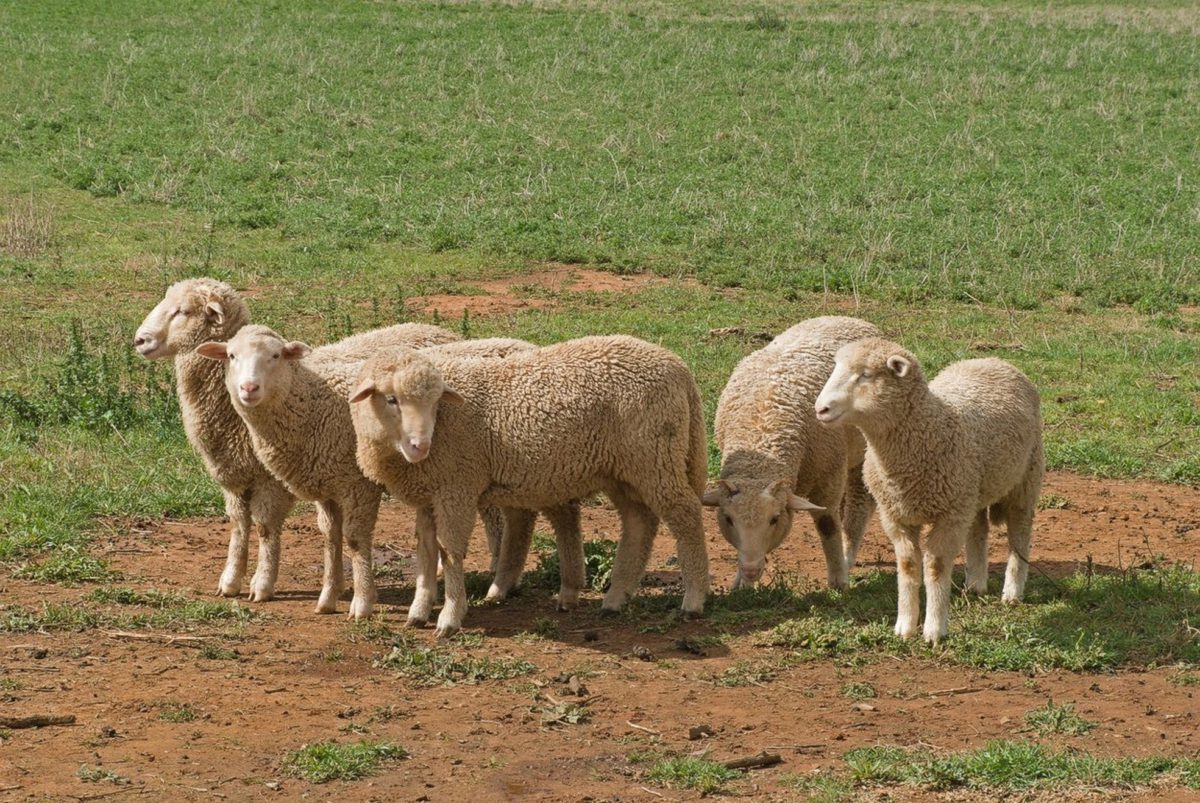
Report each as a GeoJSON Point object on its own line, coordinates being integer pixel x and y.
{"type": "Point", "coordinates": [293, 401]}
{"type": "Point", "coordinates": [946, 454]}
{"type": "Point", "coordinates": [192, 312]}
{"type": "Point", "coordinates": [777, 459]}
{"type": "Point", "coordinates": [537, 429]}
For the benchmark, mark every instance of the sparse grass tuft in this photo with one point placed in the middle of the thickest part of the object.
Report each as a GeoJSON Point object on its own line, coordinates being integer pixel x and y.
{"type": "Point", "coordinates": [1057, 719]}
{"type": "Point", "coordinates": [859, 691]}
{"type": "Point", "coordinates": [687, 772]}
{"type": "Point", "coordinates": [177, 712]}
{"type": "Point", "coordinates": [598, 555]}
{"type": "Point", "coordinates": [432, 666]}
{"type": "Point", "coordinates": [89, 774]}
{"type": "Point", "coordinates": [330, 761]}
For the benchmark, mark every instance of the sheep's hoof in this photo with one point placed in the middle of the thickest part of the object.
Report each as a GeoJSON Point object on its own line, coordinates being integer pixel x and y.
{"type": "Point", "coordinates": [446, 631]}
{"type": "Point", "coordinates": [416, 622]}
{"type": "Point", "coordinates": [609, 612]}
{"type": "Point", "coordinates": [567, 600]}
{"type": "Point", "coordinates": [692, 616]}
{"type": "Point", "coordinates": [228, 588]}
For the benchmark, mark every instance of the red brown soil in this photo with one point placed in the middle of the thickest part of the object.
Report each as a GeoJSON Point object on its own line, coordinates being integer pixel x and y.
{"type": "Point", "coordinates": [531, 290]}
{"type": "Point", "coordinates": [302, 678]}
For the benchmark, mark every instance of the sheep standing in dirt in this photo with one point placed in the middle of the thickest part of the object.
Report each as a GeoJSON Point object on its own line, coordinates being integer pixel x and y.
{"type": "Point", "coordinates": [293, 401]}
{"type": "Point", "coordinates": [192, 312]}
{"type": "Point", "coordinates": [945, 454]}
{"type": "Point", "coordinates": [777, 459]}
{"type": "Point", "coordinates": [532, 431]}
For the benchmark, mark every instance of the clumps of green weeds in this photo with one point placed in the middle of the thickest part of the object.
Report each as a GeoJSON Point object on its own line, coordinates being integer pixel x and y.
{"type": "Point", "coordinates": [433, 666]}
{"type": "Point", "coordinates": [598, 557]}
{"type": "Point", "coordinates": [89, 774]}
{"type": "Point", "coordinates": [688, 772]}
{"type": "Point", "coordinates": [748, 673]}
{"type": "Point", "coordinates": [1057, 719]}
{"type": "Point", "coordinates": [177, 712]}
{"type": "Point", "coordinates": [859, 691]}
{"type": "Point", "coordinates": [168, 611]}
{"type": "Point", "coordinates": [330, 761]}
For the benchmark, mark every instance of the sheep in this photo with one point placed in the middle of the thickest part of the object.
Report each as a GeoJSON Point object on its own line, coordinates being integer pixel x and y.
{"type": "Point", "coordinates": [292, 399]}
{"type": "Point", "coordinates": [192, 312]}
{"type": "Point", "coordinates": [946, 453]}
{"type": "Point", "coordinates": [776, 458]}
{"type": "Point", "coordinates": [530, 431]}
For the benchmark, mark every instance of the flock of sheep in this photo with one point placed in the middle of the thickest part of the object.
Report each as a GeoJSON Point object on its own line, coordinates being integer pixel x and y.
{"type": "Point", "coordinates": [829, 418]}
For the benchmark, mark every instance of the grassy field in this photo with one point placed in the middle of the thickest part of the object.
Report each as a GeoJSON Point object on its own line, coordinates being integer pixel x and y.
{"type": "Point", "coordinates": [1016, 179]}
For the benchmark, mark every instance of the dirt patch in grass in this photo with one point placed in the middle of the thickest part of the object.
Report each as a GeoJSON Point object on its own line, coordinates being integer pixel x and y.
{"type": "Point", "coordinates": [257, 693]}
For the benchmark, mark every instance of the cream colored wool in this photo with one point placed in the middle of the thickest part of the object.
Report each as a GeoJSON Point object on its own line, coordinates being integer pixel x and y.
{"type": "Point", "coordinates": [776, 456]}
{"type": "Point", "coordinates": [192, 312]}
{"type": "Point", "coordinates": [942, 454]}
{"type": "Point", "coordinates": [302, 433]}
{"type": "Point", "coordinates": [537, 429]}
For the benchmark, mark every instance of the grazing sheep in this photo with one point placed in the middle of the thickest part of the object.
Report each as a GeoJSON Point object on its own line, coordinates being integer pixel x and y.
{"type": "Point", "coordinates": [192, 312]}
{"type": "Point", "coordinates": [293, 401]}
{"type": "Point", "coordinates": [777, 459]}
{"type": "Point", "coordinates": [944, 453]}
{"type": "Point", "coordinates": [532, 431]}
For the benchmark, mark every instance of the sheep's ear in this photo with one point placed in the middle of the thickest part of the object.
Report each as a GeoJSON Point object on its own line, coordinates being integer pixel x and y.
{"type": "Point", "coordinates": [215, 312]}
{"type": "Point", "coordinates": [898, 365]}
{"type": "Point", "coordinates": [712, 496]}
{"type": "Point", "coordinates": [773, 488]}
{"type": "Point", "coordinates": [295, 350]}
{"type": "Point", "coordinates": [798, 503]}
{"type": "Point", "coordinates": [363, 392]}
{"type": "Point", "coordinates": [451, 396]}
{"type": "Point", "coordinates": [213, 350]}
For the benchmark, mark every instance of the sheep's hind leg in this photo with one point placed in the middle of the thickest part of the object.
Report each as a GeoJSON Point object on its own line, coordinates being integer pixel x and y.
{"type": "Point", "coordinates": [270, 506]}
{"type": "Point", "coordinates": [681, 511]}
{"type": "Point", "coordinates": [829, 527]}
{"type": "Point", "coordinates": [977, 559]}
{"type": "Point", "coordinates": [237, 508]}
{"type": "Point", "coordinates": [329, 521]}
{"type": "Point", "coordinates": [857, 505]}
{"type": "Point", "coordinates": [493, 527]}
{"type": "Point", "coordinates": [564, 519]}
{"type": "Point", "coordinates": [425, 596]}
{"type": "Point", "coordinates": [638, 527]}
{"type": "Point", "coordinates": [518, 531]}
{"type": "Point", "coordinates": [359, 528]}
{"type": "Point", "coordinates": [1020, 534]}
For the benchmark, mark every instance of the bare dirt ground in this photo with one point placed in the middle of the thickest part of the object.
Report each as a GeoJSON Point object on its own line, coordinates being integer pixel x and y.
{"type": "Point", "coordinates": [300, 678]}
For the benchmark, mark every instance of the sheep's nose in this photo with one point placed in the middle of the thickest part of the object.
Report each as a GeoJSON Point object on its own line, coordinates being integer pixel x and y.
{"type": "Point", "coordinates": [418, 446]}
{"type": "Point", "coordinates": [823, 410]}
{"type": "Point", "coordinates": [249, 387]}
{"type": "Point", "coordinates": [139, 341]}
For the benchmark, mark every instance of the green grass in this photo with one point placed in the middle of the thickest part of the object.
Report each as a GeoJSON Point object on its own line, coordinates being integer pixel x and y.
{"type": "Point", "coordinates": [89, 774]}
{"type": "Point", "coordinates": [687, 772]}
{"type": "Point", "coordinates": [434, 666]}
{"type": "Point", "coordinates": [1057, 719]}
{"type": "Point", "coordinates": [126, 609]}
{"type": "Point", "coordinates": [598, 556]}
{"type": "Point", "coordinates": [330, 761]}
{"type": "Point", "coordinates": [177, 712]}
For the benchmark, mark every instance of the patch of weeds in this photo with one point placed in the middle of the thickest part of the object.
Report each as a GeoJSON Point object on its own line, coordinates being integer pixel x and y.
{"type": "Point", "coordinates": [1008, 766]}
{"type": "Point", "coordinates": [52, 617]}
{"type": "Point", "coordinates": [89, 774]}
{"type": "Point", "coordinates": [598, 557]}
{"type": "Point", "coordinates": [177, 712]}
{"type": "Point", "coordinates": [747, 673]}
{"type": "Point", "coordinates": [546, 627]}
{"type": "Point", "coordinates": [1184, 678]}
{"type": "Point", "coordinates": [334, 656]}
{"type": "Point", "coordinates": [562, 713]}
{"type": "Point", "coordinates": [215, 652]}
{"type": "Point", "coordinates": [353, 727]}
{"type": "Point", "coordinates": [822, 787]}
{"type": "Point", "coordinates": [431, 666]}
{"type": "Point", "coordinates": [468, 638]}
{"type": "Point", "coordinates": [643, 756]}
{"type": "Point", "coordinates": [375, 629]}
{"type": "Point", "coordinates": [11, 684]}
{"type": "Point", "coordinates": [859, 691]}
{"type": "Point", "coordinates": [1053, 502]}
{"type": "Point", "coordinates": [686, 772]}
{"type": "Point", "coordinates": [477, 584]}
{"type": "Point", "coordinates": [68, 566]}
{"type": "Point", "coordinates": [329, 761]}
{"type": "Point", "coordinates": [1052, 718]}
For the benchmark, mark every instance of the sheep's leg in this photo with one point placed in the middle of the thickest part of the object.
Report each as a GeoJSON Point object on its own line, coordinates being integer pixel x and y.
{"type": "Point", "coordinates": [518, 531]}
{"type": "Point", "coordinates": [1020, 534]}
{"type": "Point", "coordinates": [977, 558]}
{"type": "Point", "coordinates": [359, 516]}
{"type": "Point", "coordinates": [683, 514]}
{"type": "Point", "coordinates": [942, 545]}
{"type": "Point", "coordinates": [829, 527]}
{"type": "Point", "coordinates": [329, 521]}
{"type": "Point", "coordinates": [270, 506]}
{"type": "Point", "coordinates": [237, 508]}
{"type": "Point", "coordinates": [857, 505]}
{"type": "Point", "coordinates": [493, 526]}
{"type": "Point", "coordinates": [455, 519]}
{"type": "Point", "coordinates": [564, 519]}
{"type": "Point", "coordinates": [427, 564]}
{"type": "Point", "coordinates": [638, 527]}
{"type": "Point", "coordinates": [907, 544]}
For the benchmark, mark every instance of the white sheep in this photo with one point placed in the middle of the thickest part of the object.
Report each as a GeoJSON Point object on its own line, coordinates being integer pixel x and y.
{"type": "Point", "coordinates": [944, 454]}
{"type": "Point", "coordinates": [612, 414]}
{"type": "Point", "coordinates": [777, 459]}
{"type": "Point", "coordinates": [192, 312]}
{"type": "Point", "coordinates": [293, 401]}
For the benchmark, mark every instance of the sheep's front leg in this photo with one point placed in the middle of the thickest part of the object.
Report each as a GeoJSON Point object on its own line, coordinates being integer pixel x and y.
{"type": "Point", "coordinates": [237, 508]}
{"type": "Point", "coordinates": [907, 544]}
{"type": "Point", "coordinates": [857, 505]}
{"type": "Point", "coordinates": [329, 521]}
{"type": "Point", "coordinates": [977, 559]}
{"type": "Point", "coordinates": [425, 596]}
{"type": "Point", "coordinates": [454, 519]}
{"type": "Point", "coordinates": [638, 527]}
{"type": "Point", "coordinates": [518, 531]}
{"type": "Point", "coordinates": [270, 505]}
{"type": "Point", "coordinates": [564, 519]}
{"type": "Point", "coordinates": [829, 527]}
{"type": "Point", "coordinates": [942, 545]}
{"type": "Point", "coordinates": [359, 527]}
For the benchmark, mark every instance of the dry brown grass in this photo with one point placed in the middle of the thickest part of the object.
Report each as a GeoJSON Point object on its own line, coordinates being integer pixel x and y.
{"type": "Point", "coordinates": [28, 227]}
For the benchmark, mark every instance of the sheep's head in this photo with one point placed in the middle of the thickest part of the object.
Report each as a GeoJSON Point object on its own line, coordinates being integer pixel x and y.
{"type": "Point", "coordinates": [755, 517]}
{"type": "Point", "coordinates": [396, 401]}
{"type": "Point", "coordinates": [191, 312]}
{"type": "Point", "coordinates": [868, 376]}
{"type": "Point", "coordinates": [258, 364]}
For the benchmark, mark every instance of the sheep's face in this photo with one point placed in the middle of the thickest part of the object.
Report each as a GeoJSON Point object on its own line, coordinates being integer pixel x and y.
{"type": "Point", "coordinates": [190, 313]}
{"type": "Point", "coordinates": [754, 518]}
{"type": "Point", "coordinates": [258, 364]}
{"type": "Point", "coordinates": [867, 376]}
{"type": "Point", "coordinates": [399, 403]}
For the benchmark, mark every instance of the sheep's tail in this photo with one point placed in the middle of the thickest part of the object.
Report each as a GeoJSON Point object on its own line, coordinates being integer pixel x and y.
{"type": "Point", "coordinates": [697, 463]}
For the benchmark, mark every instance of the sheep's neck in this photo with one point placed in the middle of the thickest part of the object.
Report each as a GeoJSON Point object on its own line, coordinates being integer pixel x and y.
{"type": "Point", "coordinates": [914, 429]}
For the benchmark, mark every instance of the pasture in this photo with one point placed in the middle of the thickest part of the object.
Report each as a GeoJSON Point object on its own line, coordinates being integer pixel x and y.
{"type": "Point", "coordinates": [1010, 179]}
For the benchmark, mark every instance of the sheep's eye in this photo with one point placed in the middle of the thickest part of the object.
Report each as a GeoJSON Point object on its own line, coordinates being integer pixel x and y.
{"type": "Point", "coordinates": [774, 520]}
{"type": "Point", "coordinates": [274, 356]}
{"type": "Point", "coordinates": [231, 355]}
{"type": "Point", "coordinates": [729, 519]}
{"type": "Point", "coordinates": [391, 400]}
{"type": "Point", "coordinates": [865, 375]}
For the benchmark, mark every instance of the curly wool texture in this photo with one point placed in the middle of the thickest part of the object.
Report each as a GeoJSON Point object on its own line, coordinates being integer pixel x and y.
{"type": "Point", "coordinates": [540, 428]}
{"type": "Point", "coordinates": [767, 431]}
